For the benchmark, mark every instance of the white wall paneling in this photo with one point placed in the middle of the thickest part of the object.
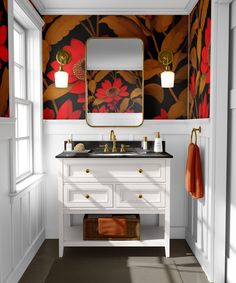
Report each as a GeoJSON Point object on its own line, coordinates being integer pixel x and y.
{"type": "Point", "coordinates": [199, 230]}
{"type": "Point", "coordinates": [21, 216]}
{"type": "Point", "coordinates": [231, 200]}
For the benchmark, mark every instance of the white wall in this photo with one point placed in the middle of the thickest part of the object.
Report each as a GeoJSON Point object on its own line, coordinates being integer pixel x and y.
{"type": "Point", "coordinates": [231, 213]}
{"type": "Point", "coordinates": [176, 133]}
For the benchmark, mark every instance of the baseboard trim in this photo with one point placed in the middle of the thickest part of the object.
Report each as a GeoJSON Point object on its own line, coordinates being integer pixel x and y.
{"type": "Point", "coordinates": [204, 262]}
{"type": "Point", "coordinates": [231, 271]}
{"type": "Point", "coordinates": [17, 273]}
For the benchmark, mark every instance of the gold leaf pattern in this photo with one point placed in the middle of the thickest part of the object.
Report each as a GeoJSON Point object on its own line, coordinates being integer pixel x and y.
{"type": "Point", "coordinates": [128, 76]}
{"type": "Point", "coordinates": [152, 68]}
{"type": "Point", "coordinates": [53, 93]}
{"type": "Point", "coordinates": [176, 36]}
{"type": "Point", "coordinates": [177, 110]}
{"type": "Point", "coordinates": [92, 85]}
{"type": "Point", "coordinates": [124, 27]}
{"type": "Point", "coordinates": [61, 27]}
{"type": "Point", "coordinates": [155, 90]}
{"type": "Point", "coordinates": [161, 23]}
{"type": "Point", "coordinates": [136, 92]}
{"type": "Point", "coordinates": [124, 105]}
{"type": "Point", "coordinates": [100, 75]}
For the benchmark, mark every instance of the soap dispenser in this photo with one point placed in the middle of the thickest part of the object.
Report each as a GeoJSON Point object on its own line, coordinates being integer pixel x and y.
{"type": "Point", "coordinates": [69, 145]}
{"type": "Point", "coordinates": [158, 143]}
{"type": "Point", "coordinates": [145, 143]}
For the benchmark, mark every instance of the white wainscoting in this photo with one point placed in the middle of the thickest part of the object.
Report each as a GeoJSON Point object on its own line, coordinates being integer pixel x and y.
{"type": "Point", "coordinates": [199, 230]}
{"type": "Point", "coordinates": [21, 216]}
{"type": "Point", "coordinates": [175, 133]}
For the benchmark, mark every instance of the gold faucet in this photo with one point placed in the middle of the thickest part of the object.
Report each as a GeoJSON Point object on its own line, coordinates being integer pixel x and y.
{"type": "Point", "coordinates": [113, 139]}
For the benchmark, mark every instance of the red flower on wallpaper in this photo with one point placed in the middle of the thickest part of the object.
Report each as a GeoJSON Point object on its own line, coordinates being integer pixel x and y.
{"type": "Point", "coordinates": [192, 84]}
{"type": "Point", "coordinates": [163, 115]}
{"type": "Point", "coordinates": [66, 111]}
{"type": "Point", "coordinates": [205, 64]}
{"type": "Point", "coordinates": [102, 109]}
{"type": "Point", "coordinates": [112, 92]}
{"type": "Point", "coordinates": [3, 47]}
{"type": "Point", "coordinates": [76, 67]}
{"type": "Point", "coordinates": [48, 113]}
{"type": "Point", "coordinates": [203, 108]}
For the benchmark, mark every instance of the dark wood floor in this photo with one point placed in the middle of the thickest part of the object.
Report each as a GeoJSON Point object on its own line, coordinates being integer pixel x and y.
{"type": "Point", "coordinates": [134, 265]}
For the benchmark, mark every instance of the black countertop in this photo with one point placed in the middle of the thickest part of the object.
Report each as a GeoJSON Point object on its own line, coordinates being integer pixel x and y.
{"type": "Point", "coordinates": [133, 151]}
{"type": "Point", "coordinates": [92, 154]}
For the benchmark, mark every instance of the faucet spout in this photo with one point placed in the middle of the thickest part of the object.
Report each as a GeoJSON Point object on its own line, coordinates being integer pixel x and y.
{"type": "Point", "coordinates": [113, 139]}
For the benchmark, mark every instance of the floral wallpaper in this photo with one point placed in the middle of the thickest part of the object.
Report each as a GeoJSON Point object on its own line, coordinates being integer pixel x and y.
{"type": "Point", "coordinates": [4, 82]}
{"type": "Point", "coordinates": [200, 46]}
{"type": "Point", "coordinates": [114, 91]}
{"type": "Point", "coordinates": [157, 32]}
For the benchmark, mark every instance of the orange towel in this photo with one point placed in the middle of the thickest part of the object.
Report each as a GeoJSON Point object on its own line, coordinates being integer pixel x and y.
{"type": "Point", "coordinates": [198, 192]}
{"type": "Point", "coordinates": [193, 177]}
{"type": "Point", "coordinates": [190, 169]}
{"type": "Point", "coordinates": [112, 226]}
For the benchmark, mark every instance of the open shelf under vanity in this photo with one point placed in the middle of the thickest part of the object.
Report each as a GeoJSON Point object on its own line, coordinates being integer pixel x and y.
{"type": "Point", "coordinates": [150, 236]}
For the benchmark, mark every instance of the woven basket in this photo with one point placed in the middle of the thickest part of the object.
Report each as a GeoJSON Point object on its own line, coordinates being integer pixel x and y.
{"type": "Point", "coordinates": [90, 227]}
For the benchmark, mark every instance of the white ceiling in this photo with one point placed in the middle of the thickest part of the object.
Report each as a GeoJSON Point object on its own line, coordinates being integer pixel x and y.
{"type": "Point", "coordinates": [114, 6]}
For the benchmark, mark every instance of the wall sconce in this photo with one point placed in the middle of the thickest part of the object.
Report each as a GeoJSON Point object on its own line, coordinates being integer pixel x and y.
{"type": "Point", "coordinates": [167, 77]}
{"type": "Point", "coordinates": [61, 77]}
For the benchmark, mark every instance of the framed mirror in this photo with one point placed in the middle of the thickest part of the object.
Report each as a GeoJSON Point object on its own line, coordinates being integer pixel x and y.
{"type": "Point", "coordinates": [114, 82]}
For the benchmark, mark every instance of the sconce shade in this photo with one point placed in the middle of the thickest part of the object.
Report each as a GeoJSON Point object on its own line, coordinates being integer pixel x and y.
{"type": "Point", "coordinates": [167, 79]}
{"type": "Point", "coordinates": [61, 79]}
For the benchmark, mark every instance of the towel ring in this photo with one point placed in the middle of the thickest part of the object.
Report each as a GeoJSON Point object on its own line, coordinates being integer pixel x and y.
{"type": "Point", "coordinates": [194, 131]}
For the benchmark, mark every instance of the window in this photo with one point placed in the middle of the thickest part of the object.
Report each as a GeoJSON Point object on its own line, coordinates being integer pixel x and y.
{"type": "Point", "coordinates": [23, 107]}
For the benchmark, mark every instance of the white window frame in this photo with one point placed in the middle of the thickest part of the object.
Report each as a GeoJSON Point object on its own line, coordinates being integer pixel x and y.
{"type": "Point", "coordinates": [24, 100]}
{"type": "Point", "coordinates": [22, 66]}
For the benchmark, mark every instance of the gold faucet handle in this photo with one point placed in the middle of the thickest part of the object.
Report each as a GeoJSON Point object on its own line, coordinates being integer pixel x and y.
{"type": "Point", "coordinates": [123, 147]}
{"type": "Point", "coordinates": [105, 146]}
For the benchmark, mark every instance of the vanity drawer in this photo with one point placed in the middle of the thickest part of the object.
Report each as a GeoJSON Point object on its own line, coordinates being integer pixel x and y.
{"type": "Point", "coordinates": [115, 168]}
{"type": "Point", "coordinates": [140, 195]}
{"type": "Point", "coordinates": [88, 195]}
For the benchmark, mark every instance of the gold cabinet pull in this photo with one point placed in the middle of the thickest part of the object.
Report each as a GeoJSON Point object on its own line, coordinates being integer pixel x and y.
{"type": "Point", "coordinates": [140, 170]}
{"type": "Point", "coordinates": [140, 196]}
{"type": "Point", "coordinates": [87, 196]}
{"type": "Point", "coordinates": [87, 171]}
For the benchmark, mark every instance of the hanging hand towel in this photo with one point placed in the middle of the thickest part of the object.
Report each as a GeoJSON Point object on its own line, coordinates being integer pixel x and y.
{"type": "Point", "coordinates": [193, 177]}
{"type": "Point", "coordinates": [198, 192]}
{"type": "Point", "coordinates": [190, 169]}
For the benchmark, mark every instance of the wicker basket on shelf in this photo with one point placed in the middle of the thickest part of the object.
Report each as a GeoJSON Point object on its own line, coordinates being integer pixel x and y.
{"type": "Point", "coordinates": [111, 227]}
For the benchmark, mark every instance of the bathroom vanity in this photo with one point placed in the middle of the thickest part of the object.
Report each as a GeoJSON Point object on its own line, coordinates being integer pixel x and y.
{"type": "Point", "coordinates": [114, 183]}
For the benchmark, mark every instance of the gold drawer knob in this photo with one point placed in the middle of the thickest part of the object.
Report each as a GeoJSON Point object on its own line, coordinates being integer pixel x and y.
{"type": "Point", "coordinates": [140, 171]}
{"type": "Point", "coordinates": [87, 171]}
{"type": "Point", "coordinates": [140, 196]}
{"type": "Point", "coordinates": [87, 196]}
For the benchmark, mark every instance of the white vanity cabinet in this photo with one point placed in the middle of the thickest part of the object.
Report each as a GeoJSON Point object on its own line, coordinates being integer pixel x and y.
{"type": "Point", "coordinates": [114, 185]}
